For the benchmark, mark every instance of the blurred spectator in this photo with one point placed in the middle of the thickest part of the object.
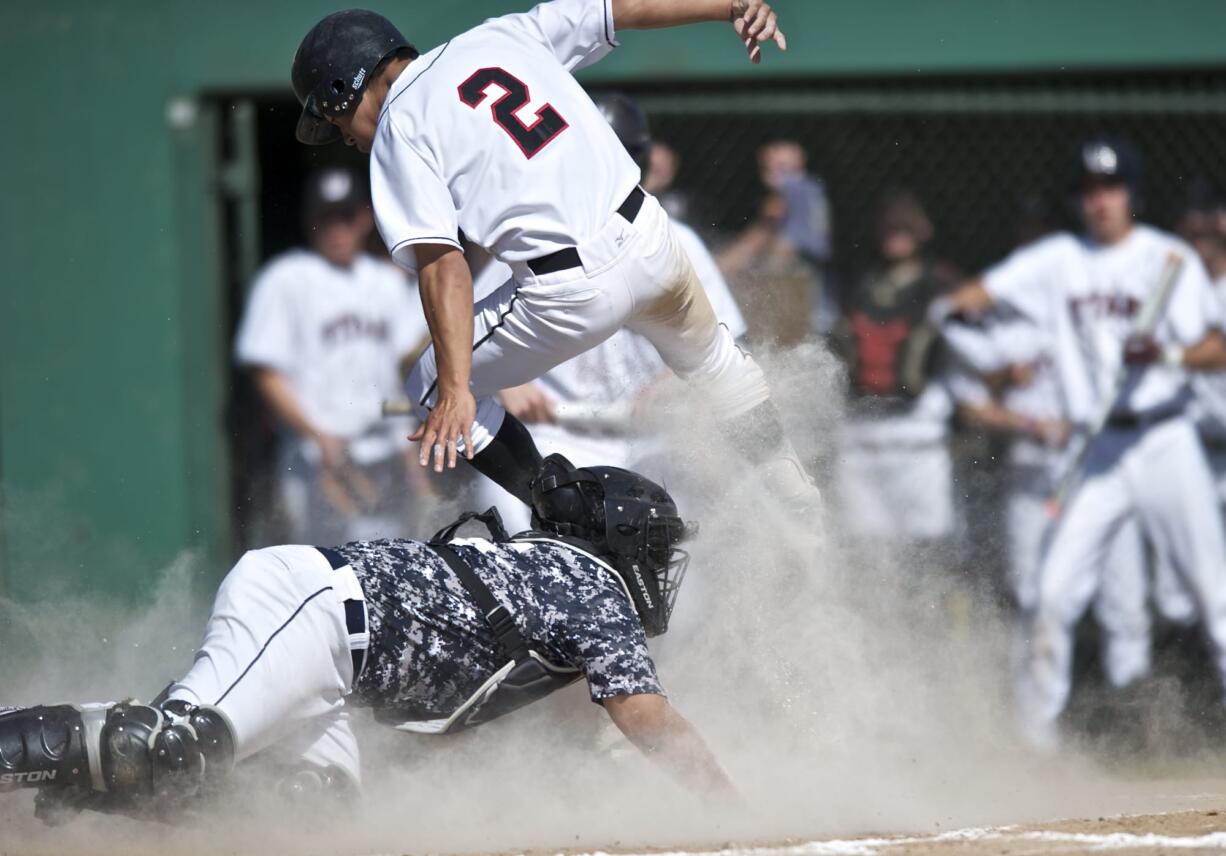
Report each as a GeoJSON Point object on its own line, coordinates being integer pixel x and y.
{"type": "Point", "coordinates": [1203, 225]}
{"type": "Point", "coordinates": [894, 472]}
{"type": "Point", "coordinates": [777, 264]}
{"type": "Point", "coordinates": [663, 163]}
{"type": "Point", "coordinates": [325, 333]}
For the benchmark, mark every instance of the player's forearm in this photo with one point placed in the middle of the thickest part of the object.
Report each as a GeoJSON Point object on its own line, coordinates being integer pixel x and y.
{"type": "Point", "coordinates": [275, 389]}
{"type": "Point", "coordinates": [446, 289]}
{"type": "Point", "coordinates": [668, 739]}
{"type": "Point", "coordinates": [971, 298]}
{"type": "Point", "coordinates": [650, 14]}
{"type": "Point", "coordinates": [996, 418]}
{"type": "Point", "coordinates": [1207, 355]}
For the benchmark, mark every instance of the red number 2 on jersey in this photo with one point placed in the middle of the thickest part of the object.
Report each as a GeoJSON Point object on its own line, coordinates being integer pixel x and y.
{"type": "Point", "coordinates": [530, 138]}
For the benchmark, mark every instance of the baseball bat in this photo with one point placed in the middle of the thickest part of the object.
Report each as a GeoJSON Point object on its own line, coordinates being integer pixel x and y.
{"type": "Point", "coordinates": [614, 418]}
{"type": "Point", "coordinates": [1146, 322]}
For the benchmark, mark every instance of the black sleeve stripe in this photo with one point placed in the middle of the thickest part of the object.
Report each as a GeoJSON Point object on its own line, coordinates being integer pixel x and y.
{"type": "Point", "coordinates": [501, 320]}
{"type": "Point", "coordinates": [411, 82]}
{"type": "Point", "coordinates": [608, 16]}
{"type": "Point", "coordinates": [428, 239]}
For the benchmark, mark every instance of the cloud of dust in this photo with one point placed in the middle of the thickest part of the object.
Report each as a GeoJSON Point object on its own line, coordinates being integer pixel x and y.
{"type": "Point", "coordinates": [844, 693]}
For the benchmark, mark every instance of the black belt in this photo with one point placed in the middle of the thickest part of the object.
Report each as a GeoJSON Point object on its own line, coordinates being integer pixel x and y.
{"type": "Point", "coordinates": [569, 257]}
{"type": "Point", "coordinates": [1142, 420]}
{"type": "Point", "coordinates": [355, 613]}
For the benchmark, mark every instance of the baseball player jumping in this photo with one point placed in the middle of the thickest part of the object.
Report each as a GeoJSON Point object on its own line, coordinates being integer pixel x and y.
{"type": "Point", "coordinates": [435, 636]}
{"type": "Point", "coordinates": [583, 408]}
{"type": "Point", "coordinates": [1146, 462]}
{"type": "Point", "coordinates": [491, 134]}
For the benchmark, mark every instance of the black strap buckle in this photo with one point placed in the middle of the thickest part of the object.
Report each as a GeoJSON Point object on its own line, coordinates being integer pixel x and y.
{"type": "Point", "coordinates": [490, 517]}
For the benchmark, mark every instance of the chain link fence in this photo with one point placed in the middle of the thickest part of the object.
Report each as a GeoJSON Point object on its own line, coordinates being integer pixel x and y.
{"type": "Point", "coordinates": [990, 158]}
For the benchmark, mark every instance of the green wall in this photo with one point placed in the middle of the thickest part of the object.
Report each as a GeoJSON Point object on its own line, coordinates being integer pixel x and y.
{"type": "Point", "coordinates": [112, 455]}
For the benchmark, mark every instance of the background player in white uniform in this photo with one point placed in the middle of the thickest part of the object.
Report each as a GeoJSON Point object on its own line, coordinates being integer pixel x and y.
{"type": "Point", "coordinates": [584, 408]}
{"type": "Point", "coordinates": [325, 332]}
{"type": "Point", "coordinates": [1024, 400]}
{"type": "Point", "coordinates": [491, 134]}
{"type": "Point", "coordinates": [1148, 461]}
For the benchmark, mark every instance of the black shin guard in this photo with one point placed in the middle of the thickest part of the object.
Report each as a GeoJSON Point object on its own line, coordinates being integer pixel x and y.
{"type": "Point", "coordinates": [511, 460]}
{"type": "Point", "coordinates": [42, 746]}
{"type": "Point", "coordinates": [758, 435]}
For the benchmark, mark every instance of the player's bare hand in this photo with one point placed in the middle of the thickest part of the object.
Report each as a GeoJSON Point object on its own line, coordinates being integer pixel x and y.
{"type": "Point", "coordinates": [1020, 374]}
{"type": "Point", "coordinates": [333, 451]}
{"type": "Point", "coordinates": [756, 23]}
{"type": "Point", "coordinates": [449, 423]}
{"type": "Point", "coordinates": [528, 403]}
{"type": "Point", "coordinates": [1054, 433]}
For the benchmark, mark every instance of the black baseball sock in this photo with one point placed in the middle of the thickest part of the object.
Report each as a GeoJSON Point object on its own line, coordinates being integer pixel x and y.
{"type": "Point", "coordinates": [511, 459]}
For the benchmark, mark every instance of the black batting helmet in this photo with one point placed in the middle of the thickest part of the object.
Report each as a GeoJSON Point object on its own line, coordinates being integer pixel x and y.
{"type": "Point", "coordinates": [333, 65]}
{"type": "Point", "coordinates": [629, 122]}
{"type": "Point", "coordinates": [629, 520]}
{"type": "Point", "coordinates": [1107, 160]}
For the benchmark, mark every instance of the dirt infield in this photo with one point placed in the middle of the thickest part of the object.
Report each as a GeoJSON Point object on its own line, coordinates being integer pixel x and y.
{"type": "Point", "coordinates": [1186, 831]}
{"type": "Point", "coordinates": [1187, 817]}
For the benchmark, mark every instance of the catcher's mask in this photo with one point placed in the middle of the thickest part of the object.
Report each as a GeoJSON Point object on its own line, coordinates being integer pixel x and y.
{"type": "Point", "coordinates": [629, 520]}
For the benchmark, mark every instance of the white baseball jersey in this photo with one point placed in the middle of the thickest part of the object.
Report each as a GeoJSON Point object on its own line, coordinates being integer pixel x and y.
{"type": "Point", "coordinates": [491, 134]}
{"type": "Point", "coordinates": [338, 335]}
{"type": "Point", "coordinates": [1009, 342]}
{"type": "Point", "coordinates": [1210, 391]}
{"type": "Point", "coordinates": [1089, 295]}
{"type": "Point", "coordinates": [625, 363]}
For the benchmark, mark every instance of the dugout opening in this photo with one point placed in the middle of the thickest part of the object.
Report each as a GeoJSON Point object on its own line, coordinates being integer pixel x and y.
{"type": "Point", "coordinates": [263, 170]}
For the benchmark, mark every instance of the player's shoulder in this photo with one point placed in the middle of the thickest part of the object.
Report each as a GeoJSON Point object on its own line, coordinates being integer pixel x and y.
{"type": "Point", "coordinates": [1054, 249]}
{"type": "Point", "coordinates": [288, 268]}
{"type": "Point", "coordinates": [379, 270]}
{"type": "Point", "coordinates": [408, 93]}
{"type": "Point", "coordinates": [1159, 240]}
{"type": "Point", "coordinates": [1055, 243]}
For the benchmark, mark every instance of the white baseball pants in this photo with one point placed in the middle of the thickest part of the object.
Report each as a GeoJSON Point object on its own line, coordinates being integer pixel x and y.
{"type": "Point", "coordinates": [1160, 475]}
{"type": "Point", "coordinates": [276, 658]}
{"type": "Point", "coordinates": [634, 275]}
{"type": "Point", "coordinates": [1121, 607]}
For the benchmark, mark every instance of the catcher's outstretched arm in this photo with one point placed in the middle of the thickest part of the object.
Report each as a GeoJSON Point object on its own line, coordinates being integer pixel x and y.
{"type": "Point", "coordinates": [665, 736]}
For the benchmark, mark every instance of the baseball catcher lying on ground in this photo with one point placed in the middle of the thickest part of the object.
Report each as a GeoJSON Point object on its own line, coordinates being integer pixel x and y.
{"type": "Point", "coordinates": [435, 636]}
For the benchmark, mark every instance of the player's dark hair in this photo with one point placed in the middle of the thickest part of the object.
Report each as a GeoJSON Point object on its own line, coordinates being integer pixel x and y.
{"type": "Point", "coordinates": [404, 52]}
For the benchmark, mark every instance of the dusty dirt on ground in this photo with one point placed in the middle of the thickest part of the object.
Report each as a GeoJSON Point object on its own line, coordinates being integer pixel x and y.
{"type": "Point", "coordinates": [1170, 817]}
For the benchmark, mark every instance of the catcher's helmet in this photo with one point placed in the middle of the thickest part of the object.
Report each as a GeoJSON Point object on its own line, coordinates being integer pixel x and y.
{"type": "Point", "coordinates": [629, 520]}
{"type": "Point", "coordinates": [629, 122]}
{"type": "Point", "coordinates": [1106, 160]}
{"type": "Point", "coordinates": [333, 65]}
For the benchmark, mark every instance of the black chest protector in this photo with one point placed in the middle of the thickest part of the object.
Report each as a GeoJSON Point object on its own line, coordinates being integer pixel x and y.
{"type": "Point", "coordinates": [525, 677]}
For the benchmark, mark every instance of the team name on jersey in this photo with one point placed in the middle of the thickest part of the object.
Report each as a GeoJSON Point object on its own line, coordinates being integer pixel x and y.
{"type": "Point", "coordinates": [1093, 306]}
{"type": "Point", "coordinates": [351, 327]}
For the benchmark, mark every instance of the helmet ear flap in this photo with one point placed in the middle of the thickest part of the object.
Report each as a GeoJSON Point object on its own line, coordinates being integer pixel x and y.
{"type": "Point", "coordinates": [567, 501]}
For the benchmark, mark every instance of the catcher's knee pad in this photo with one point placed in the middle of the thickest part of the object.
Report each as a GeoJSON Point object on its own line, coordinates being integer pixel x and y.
{"type": "Point", "coordinates": [43, 746]}
{"type": "Point", "coordinates": [172, 751]}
